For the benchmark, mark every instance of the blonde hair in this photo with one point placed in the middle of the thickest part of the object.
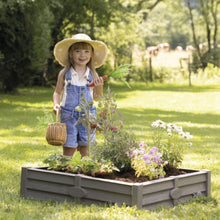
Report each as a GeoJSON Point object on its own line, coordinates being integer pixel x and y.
{"type": "Point", "coordinates": [84, 46]}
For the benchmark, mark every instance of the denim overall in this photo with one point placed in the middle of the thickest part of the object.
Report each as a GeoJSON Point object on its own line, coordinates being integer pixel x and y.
{"type": "Point", "coordinates": [76, 133]}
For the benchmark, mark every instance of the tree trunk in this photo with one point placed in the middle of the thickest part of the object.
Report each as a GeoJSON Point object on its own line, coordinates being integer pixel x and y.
{"type": "Point", "coordinates": [193, 31]}
{"type": "Point", "coordinates": [214, 11]}
{"type": "Point", "coordinates": [150, 69]}
{"type": "Point", "coordinates": [189, 70]}
{"type": "Point", "coordinates": [205, 13]}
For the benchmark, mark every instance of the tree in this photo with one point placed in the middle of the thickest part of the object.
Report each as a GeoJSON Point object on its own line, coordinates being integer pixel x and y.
{"type": "Point", "coordinates": [25, 41]}
{"type": "Point", "coordinates": [167, 23]}
{"type": "Point", "coordinates": [209, 12]}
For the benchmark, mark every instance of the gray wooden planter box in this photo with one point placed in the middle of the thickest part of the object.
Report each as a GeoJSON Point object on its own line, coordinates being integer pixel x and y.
{"type": "Point", "coordinates": [42, 184]}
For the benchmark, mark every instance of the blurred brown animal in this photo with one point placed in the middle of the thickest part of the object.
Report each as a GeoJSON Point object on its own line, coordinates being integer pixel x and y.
{"type": "Point", "coordinates": [178, 48]}
{"type": "Point", "coordinates": [152, 50]}
{"type": "Point", "coordinates": [202, 47]}
{"type": "Point", "coordinates": [190, 48]}
{"type": "Point", "coordinates": [164, 47]}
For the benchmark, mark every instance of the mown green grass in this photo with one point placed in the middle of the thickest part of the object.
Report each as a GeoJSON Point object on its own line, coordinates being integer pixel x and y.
{"type": "Point", "coordinates": [22, 143]}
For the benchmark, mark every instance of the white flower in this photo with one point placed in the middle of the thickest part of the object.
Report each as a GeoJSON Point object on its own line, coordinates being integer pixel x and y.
{"type": "Point", "coordinates": [178, 129]}
{"type": "Point", "coordinates": [158, 123]}
{"type": "Point", "coordinates": [187, 135]}
{"type": "Point", "coordinates": [182, 134]}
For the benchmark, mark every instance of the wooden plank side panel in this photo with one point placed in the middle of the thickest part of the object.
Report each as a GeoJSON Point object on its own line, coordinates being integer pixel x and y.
{"type": "Point", "coordinates": [56, 177]}
{"type": "Point", "coordinates": [23, 190]}
{"type": "Point", "coordinates": [192, 178]}
{"type": "Point", "coordinates": [38, 195]}
{"type": "Point", "coordinates": [156, 197]}
{"type": "Point", "coordinates": [63, 191]}
{"type": "Point", "coordinates": [193, 189]}
{"type": "Point", "coordinates": [164, 184]}
{"type": "Point", "coordinates": [50, 187]}
{"type": "Point", "coordinates": [186, 198]}
{"type": "Point", "coordinates": [110, 197]}
{"type": "Point", "coordinates": [107, 186]}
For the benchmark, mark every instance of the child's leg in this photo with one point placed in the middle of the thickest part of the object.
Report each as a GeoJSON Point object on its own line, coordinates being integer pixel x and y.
{"type": "Point", "coordinates": [83, 150]}
{"type": "Point", "coordinates": [67, 151]}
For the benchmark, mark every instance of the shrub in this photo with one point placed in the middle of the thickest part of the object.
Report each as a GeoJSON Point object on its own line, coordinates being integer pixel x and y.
{"type": "Point", "coordinates": [116, 140]}
{"type": "Point", "coordinates": [171, 140]}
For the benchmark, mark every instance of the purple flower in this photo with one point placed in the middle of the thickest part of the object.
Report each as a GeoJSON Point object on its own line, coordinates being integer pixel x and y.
{"type": "Point", "coordinates": [141, 152]}
{"type": "Point", "coordinates": [146, 157]}
{"type": "Point", "coordinates": [142, 144]}
{"type": "Point", "coordinates": [159, 162]}
{"type": "Point", "coordinates": [154, 158]}
{"type": "Point", "coordinates": [153, 150]}
{"type": "Point", "coordinates": [147, 161]}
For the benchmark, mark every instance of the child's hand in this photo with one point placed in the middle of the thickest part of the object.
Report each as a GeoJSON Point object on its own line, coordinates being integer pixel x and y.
{"type": "Point", "coordinates": [56, 108]}
{"type": "Point", "coordinates": [98, 81]}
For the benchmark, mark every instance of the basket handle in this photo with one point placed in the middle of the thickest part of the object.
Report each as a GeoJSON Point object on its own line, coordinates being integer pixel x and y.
{"type": "Point", "coordinates": [57, 115]}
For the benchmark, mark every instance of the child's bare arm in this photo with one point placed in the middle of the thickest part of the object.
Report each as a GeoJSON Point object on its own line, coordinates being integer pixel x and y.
{"type": "Point", "coordinates": [58, 90]}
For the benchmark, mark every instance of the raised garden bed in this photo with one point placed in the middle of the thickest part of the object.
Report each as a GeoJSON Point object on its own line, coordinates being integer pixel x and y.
{"type": "Point", "coordinates": [42, 184]}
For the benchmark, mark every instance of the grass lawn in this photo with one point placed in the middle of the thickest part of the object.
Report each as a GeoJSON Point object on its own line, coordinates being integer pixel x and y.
{"type": "Point", "coordinates": [22, 143]}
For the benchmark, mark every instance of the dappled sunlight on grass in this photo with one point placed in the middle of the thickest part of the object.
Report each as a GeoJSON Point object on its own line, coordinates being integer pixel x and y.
{"type": "Point", "coordinates": [23, 124]}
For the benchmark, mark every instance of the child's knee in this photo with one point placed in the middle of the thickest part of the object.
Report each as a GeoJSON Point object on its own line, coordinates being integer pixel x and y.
{"type": "Point", "coordinates": [83, 150]}
{"type": "Point", "coordinates": [67, 151]}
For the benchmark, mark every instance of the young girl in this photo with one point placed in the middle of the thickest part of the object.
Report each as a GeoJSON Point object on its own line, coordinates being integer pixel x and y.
{"type": "Point", "coordinates": [80, 56]}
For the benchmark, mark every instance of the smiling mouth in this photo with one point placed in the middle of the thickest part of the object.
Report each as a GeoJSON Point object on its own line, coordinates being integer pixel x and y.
{"type": "Point", "coordinates": [82, 60]}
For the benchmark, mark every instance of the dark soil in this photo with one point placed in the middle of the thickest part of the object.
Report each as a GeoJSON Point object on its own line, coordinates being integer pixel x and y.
{"type": "Point", "coordinates": [131, 178]}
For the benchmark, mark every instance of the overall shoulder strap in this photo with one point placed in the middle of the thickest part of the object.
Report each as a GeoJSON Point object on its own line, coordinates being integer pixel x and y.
{"type": "Point", "coordinates": [90, 77]}
{"type": "Point", "coordinates": [68, 75]}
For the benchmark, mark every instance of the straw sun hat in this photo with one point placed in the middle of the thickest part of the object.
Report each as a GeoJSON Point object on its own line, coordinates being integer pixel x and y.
{"type": "Point", "coordinates": [62, 47]}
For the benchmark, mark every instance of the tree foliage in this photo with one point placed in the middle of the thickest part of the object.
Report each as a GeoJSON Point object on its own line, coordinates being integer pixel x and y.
{"type": "Point", "coordinates": [208, 11]}
{"type": "Point", "coordinates": [25, 39]}
{"type": "Point", "coordinates": [29, 29]}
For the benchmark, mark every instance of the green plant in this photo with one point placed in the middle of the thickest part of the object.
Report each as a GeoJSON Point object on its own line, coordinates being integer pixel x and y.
{"type": "Point", "coordinates": [77, 164]}
{"type": "Point", "coordinates": [86, 117]}
{"type": "Point", "coordinates": [171, 140]}
{"type": "Point", "coordinates": [57, 162]}
{"type": "Point", "coordinates": [147, 161]}
{"type": "Point", "coordinates": [115, 146]}
{"type": "Point", "coordinates": [116, 140]}
{"type": "Point", "coordinates": [210, 72]}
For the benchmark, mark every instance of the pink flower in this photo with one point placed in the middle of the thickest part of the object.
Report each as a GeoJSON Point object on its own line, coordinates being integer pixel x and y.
{"type": "Point", "coordinates": [153, 150]}
{"type": "Point", "coordinates": [142, 144]}
{"type": "Point", "coordinates": [146, 157]}
{"type": "Point", "coordinates": [147, 161]}
{"type": "Point", "coordinates": [141, 152]}
{"type": "Point", "coordinates": [114, 128]}
{"type": "Point", "coordinates": [159, 162]}
{"type": "Point", "coordinates": [155, 159]}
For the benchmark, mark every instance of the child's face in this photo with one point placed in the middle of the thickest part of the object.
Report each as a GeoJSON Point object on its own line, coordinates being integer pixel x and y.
{"type": "Point", "coordinates": [81, 55]}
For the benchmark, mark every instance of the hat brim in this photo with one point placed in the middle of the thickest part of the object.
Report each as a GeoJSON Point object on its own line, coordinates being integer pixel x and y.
{"type": "Point", "coordinates": [62, 47]}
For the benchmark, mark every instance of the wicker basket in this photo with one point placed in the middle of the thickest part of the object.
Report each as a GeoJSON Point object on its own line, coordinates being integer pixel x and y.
{"type": "Point", "coordinates": [56, 133]}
